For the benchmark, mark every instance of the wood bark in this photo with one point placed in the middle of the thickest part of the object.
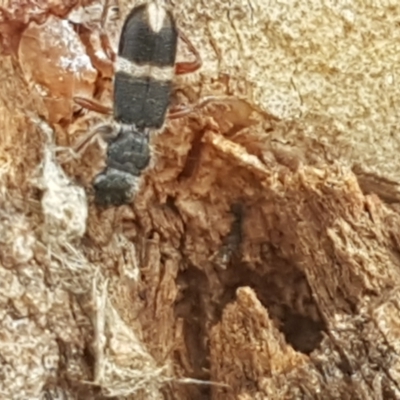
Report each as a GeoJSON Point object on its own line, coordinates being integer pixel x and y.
{"type": "Point", "coordinates": [260, 257]}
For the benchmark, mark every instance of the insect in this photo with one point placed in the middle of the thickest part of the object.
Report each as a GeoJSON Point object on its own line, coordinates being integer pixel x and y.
{"type": "Point", "coordinates": [144, 71]}
{"type": "Point", "coordinates": [232, 241]}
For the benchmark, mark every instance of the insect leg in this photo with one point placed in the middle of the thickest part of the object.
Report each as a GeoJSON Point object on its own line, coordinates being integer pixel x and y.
{"type": "Point", "coordinates": [182, 111]}
{"type": "Point", "coordinates": [185, 67]}
{"type": "Point", "coordinates": [106, 132]}
{"type": "Point", "coordinates": [112, 9]}
{"type": "Point", "coordinates": [93, 105]}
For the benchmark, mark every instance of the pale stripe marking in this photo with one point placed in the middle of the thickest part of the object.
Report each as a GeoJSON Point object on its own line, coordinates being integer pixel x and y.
{"type": "Point", "coordinates": [145, 71]}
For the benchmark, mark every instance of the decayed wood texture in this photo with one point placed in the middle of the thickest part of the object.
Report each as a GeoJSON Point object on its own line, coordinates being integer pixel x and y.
{"type": "Point", "coordinates": [260, 258]}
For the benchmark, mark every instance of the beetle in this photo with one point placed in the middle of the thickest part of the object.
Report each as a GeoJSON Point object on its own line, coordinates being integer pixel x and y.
{"type": "Point", "coordinates": [144, 70]}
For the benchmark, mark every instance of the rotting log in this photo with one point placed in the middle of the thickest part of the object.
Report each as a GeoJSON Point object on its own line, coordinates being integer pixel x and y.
{"type": "Point", "coordinates": [260, 257]}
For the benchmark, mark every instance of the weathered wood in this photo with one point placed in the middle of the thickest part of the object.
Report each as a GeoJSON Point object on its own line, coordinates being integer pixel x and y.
{"type": "Point", "coordinates": [260, 258]}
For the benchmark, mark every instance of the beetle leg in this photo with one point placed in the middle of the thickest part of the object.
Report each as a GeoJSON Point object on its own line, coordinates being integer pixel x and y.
{"type": "Point", "coordinates": [185, 67]}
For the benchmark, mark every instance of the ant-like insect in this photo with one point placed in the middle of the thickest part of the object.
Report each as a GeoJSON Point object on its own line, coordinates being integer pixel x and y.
{"type": "Point", "coordinates": [143, 81]}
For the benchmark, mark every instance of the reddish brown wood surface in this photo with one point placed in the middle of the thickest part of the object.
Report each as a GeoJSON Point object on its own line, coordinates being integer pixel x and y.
{"type": "Point", "coordinates": [260, 257]}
